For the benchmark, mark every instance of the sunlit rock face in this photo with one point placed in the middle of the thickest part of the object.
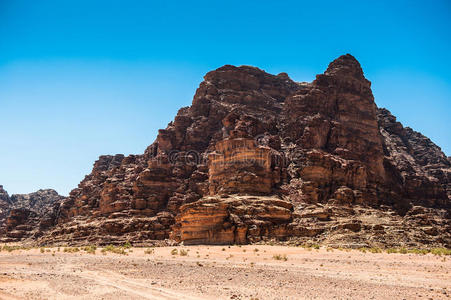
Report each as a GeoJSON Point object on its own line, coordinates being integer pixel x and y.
{"type": "Point", "coordinates": [233, 219]}
{"type": "Point", "coordinates": [239, 166]}
{"type": "Point", "coordinates": [259, 156]}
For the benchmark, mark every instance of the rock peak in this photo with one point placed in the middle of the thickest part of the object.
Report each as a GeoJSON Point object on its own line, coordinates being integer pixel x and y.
{"type": "Point", "coordinates": [345, 65]}
{"type": "Point", "coordinates": [230, 72]}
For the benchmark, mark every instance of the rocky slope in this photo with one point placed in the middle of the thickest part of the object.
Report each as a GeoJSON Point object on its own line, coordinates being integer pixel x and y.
{"type": "Point", "coordinates": [259, 157]}
{"type": "Point", "coordinates": [4, 204]}
{"type": "Point", "coordinates": [25, 216]}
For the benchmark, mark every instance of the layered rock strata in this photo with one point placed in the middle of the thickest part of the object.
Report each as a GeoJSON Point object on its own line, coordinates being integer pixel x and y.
{"type": "Point", "coordinates": [28, 216]}
{"type": "Point", "coordinates": [4, 204]}
{"type": "Point", "coordinates": [259, 157]}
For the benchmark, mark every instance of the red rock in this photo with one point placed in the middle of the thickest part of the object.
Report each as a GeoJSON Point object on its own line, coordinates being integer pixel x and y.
{"type": "Point", "coordinates": [312, 161]}
{"type": "Point", "coordinates": [29, 215]}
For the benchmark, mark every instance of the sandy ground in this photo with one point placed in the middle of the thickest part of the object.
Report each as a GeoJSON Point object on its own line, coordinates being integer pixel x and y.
{"type": "Point", "coordinates": [216, 272]}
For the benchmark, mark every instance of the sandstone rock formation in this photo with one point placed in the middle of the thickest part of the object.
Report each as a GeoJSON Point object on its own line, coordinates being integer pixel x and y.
{"type": "Point", "coordinates": [4, 204]}
{"type": "Point", "coordinates": [258, 157]}
{"type": "Point", "coordinates": [240, 165]}
{"type": "Point", "coordinates": [417, 166]}
{"type": "Point", "coordinates": [232, 220]}
{"type": "Point", "coordinates": [28, 215]}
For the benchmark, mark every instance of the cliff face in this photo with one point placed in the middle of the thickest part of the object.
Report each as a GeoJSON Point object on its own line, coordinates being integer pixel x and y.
{"type": "Point", "coordinates": [418, 168]}
{"type": "Point", "coordinates": [27, 215]}
{"type": "Point", "coordinates": [4, 204]}
{"type": "Point", "coordinates": [258, 156]}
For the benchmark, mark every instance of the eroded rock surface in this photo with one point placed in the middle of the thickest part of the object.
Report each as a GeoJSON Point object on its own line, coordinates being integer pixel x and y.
{"type": "Point", "coordinates": [259, 156]}
{"type": "Point", "coordinates": [233, 220]}
{"type": "Point", "coordinates": [240, 165]}
{"type": "Point", "coordinates": [28, 215]}
{"type": "Point", "coordinates": [4, 204]}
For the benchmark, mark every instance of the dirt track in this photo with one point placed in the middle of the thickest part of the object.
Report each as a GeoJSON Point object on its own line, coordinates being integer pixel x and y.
{"type": "Point", "coordinates": [216, 272]}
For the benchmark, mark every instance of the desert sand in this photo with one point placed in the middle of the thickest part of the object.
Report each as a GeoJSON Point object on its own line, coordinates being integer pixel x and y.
{"type": "Point", "coordinates": [223, 272]}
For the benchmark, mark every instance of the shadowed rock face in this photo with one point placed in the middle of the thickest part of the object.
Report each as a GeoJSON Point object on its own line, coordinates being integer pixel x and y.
{"type": "Point", "coordinates": [258, 156]}
{"type": "Point", "coordinates": [4, 204]}
{"type": "Point", "coordinates": [415, 165]}
{"type": "Point", "coordinates": [28, 215]}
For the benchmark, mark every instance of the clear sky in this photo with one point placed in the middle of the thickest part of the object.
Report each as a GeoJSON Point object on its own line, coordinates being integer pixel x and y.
{"type": "Point", "coordinates": [83, 78]}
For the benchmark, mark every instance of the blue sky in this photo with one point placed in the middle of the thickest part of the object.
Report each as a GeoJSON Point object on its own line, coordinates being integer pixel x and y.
{"type": "Point", "coordinates": [83, 78]}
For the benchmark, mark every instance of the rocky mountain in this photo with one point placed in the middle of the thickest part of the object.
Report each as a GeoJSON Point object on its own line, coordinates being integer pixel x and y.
{"type": "Point", "coordinates": [4, 204]}
{"type": "Point", "coordinates": [25, 216]}
{"type": "Point", "coordinates": [259, 157]}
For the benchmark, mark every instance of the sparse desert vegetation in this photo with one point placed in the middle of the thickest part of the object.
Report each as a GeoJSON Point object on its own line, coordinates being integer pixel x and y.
{"type": "Point", "coordinates": [149, 251]}
{"type": "Point", "coordinates": [127, 248]}
{"type": "Point", "coordinates": [115, 249]}
{"type": "Point", "coordinates": [280, 257]}
{"type": "Point", "coordinates": [90, 249]}
{"type": "Point", "coordinates": [71, 250]}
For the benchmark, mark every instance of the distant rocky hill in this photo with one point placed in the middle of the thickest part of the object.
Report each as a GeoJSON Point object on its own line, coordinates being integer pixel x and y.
{"type": "Point", "coordinates": [25, 216]}
{"type": "Point", "coordinates": [259, 157]}
{"type": "Point", "coordinates": [4, 204]}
